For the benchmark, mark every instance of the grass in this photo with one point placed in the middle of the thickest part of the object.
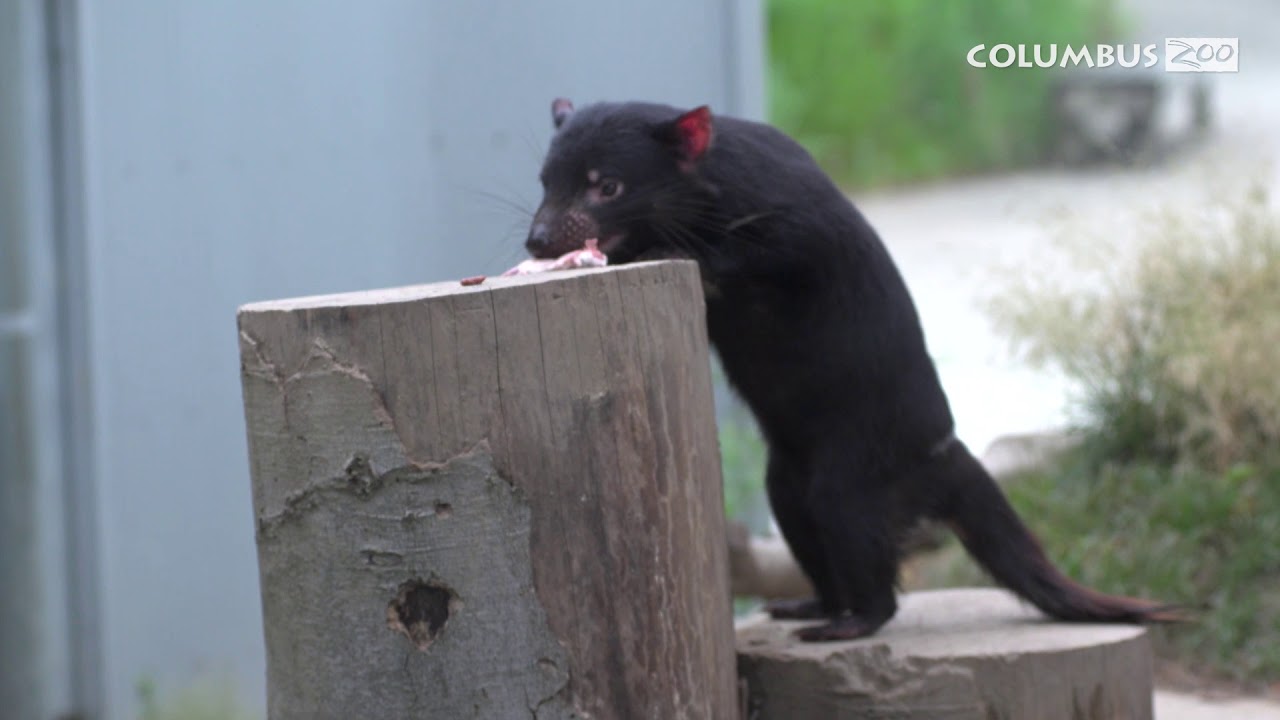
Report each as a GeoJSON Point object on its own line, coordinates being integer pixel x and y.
{"type": "Point", "coordinates": [1183, 535]}
{"type": "Point", "coordinates": [742, 458]}
{"type": "Point", "coordinates": [881, 92]}
{"type": "Point", "coordinates": [1172, 337]}
{"type": "Point", "coordinates": [208, 697]}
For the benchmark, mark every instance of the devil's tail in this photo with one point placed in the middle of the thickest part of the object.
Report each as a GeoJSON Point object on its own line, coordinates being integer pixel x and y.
{"type": "Point", "coordinates": [990, 530]}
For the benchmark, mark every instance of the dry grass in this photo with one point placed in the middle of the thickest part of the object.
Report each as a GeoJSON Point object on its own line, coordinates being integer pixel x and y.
{"type": "Point", "coordinates": [1174, 340]}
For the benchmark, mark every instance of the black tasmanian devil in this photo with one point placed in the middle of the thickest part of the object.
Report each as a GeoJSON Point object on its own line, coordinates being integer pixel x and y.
{"type": "Point", "coordinates": [817, 332]}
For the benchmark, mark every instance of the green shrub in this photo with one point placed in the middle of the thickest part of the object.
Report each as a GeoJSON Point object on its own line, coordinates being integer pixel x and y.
{"type": "Point", "coordinates": [742, 458]}
{"type": "Point", "coordinates": [1173, 340]}
{"type": "Point", "coordinates": [881, 91]}
{"type": "Point", "coordinates": [210, 696]}
{"type": "Point", "coordinates": [1175, 493]}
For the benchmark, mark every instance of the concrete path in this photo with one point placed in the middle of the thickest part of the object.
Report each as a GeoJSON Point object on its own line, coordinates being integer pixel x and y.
{"type": "Point", "coordinates": [951, 241]}
{"type": "Point", "coordinates": [1179, 706]}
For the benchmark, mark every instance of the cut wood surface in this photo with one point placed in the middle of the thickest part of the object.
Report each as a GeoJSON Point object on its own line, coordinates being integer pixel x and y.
{"type": "Point", "coordinates": [967, 654]}
{"type": "Point", "coordinates": [491, 501]}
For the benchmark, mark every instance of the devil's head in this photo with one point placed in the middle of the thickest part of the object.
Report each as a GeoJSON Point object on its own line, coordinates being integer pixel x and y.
{"type": "Point", "coordinates": [626, 174]}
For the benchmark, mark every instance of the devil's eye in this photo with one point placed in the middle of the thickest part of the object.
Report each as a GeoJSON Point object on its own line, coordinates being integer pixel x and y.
{"type": "Point", "coordinates": [610, 188]}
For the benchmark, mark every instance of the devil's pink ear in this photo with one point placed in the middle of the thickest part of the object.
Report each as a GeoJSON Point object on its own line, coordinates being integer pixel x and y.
{"type": "Point", "coordinates": [694, 128]}
{"type": "Point", "coordinates": [690, 134]}
{"type": "Point", "coordinates": [561, 109]}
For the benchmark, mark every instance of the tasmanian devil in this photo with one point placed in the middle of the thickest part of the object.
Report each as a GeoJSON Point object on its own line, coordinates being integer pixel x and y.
{"type": "Point", "coordinates": [817, 332]}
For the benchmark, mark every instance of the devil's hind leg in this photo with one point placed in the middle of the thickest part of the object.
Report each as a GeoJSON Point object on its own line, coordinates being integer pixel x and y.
{"type": "Point", "coordinates": [786, 483]}
{"type": "Point", "coordinates": [852, 514]}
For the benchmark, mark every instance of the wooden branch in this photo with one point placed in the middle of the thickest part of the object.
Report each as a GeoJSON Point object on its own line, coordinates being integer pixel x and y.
{"type": "Point", "coordinates": [763, 567]}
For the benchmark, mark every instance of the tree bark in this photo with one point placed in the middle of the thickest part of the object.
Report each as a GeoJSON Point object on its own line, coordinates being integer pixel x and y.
{"type": "Point", "coordinates": [491, 501]}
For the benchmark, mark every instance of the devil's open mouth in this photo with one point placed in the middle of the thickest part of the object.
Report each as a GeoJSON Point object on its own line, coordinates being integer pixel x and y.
{"type": "Point", "coordinates": [606, 245]}
{"type": "Point", "coordinates": [613, 242]}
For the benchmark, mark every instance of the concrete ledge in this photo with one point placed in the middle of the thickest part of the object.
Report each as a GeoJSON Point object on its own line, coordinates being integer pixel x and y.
{"type": "Point", "coordinates": [970, 654]}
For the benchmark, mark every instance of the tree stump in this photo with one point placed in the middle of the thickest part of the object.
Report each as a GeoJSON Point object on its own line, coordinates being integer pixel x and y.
{"type": "Point", "coordinates": [973, 654]}
{"type": "Point", "coordinates": [492, 501]}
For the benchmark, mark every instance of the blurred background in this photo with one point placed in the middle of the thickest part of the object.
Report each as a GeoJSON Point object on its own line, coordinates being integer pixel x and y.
{"type": "Point", "coordinates": [1095, 254]}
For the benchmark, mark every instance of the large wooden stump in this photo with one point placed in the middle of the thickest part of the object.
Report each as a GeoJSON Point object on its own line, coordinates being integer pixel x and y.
{"type": "Point", "coordinates": [951, 655]}
{"type": "Point", "coordinates": [496, 501]}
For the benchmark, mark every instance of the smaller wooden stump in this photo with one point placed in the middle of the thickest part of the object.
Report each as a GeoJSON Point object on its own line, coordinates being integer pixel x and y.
{"type": "Point", "coordinates": [971, 654]}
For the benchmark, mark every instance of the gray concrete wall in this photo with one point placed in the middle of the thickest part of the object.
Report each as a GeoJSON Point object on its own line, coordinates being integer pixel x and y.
{"type": "Point", "coordinates": [35, 640]}
{"type": "Point", "coordinates": [240, 150]}
{"type": "Point", "coordinates": [19, 602]}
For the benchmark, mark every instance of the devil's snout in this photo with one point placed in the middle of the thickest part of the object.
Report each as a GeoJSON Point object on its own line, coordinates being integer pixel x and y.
{"type": "Point", "coordinates": [539, 238]}
{"type": "Point", "coordinates": [555, 232]}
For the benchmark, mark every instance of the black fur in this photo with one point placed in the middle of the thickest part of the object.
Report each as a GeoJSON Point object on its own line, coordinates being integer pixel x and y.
{"type": "Point", "coordinates": [817, 332]}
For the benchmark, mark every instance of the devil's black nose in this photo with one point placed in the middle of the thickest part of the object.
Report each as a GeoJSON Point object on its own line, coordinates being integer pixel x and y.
{"type": "Point", "coordinates": [539, 237]}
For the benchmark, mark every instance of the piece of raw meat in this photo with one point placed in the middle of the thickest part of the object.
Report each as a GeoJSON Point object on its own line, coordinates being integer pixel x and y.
{"type": "Point", "coordinates": [588, 256]}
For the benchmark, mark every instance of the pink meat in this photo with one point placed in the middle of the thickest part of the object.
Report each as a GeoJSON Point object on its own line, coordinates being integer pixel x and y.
{"type": "Point", "coordinates": [588, 256]}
